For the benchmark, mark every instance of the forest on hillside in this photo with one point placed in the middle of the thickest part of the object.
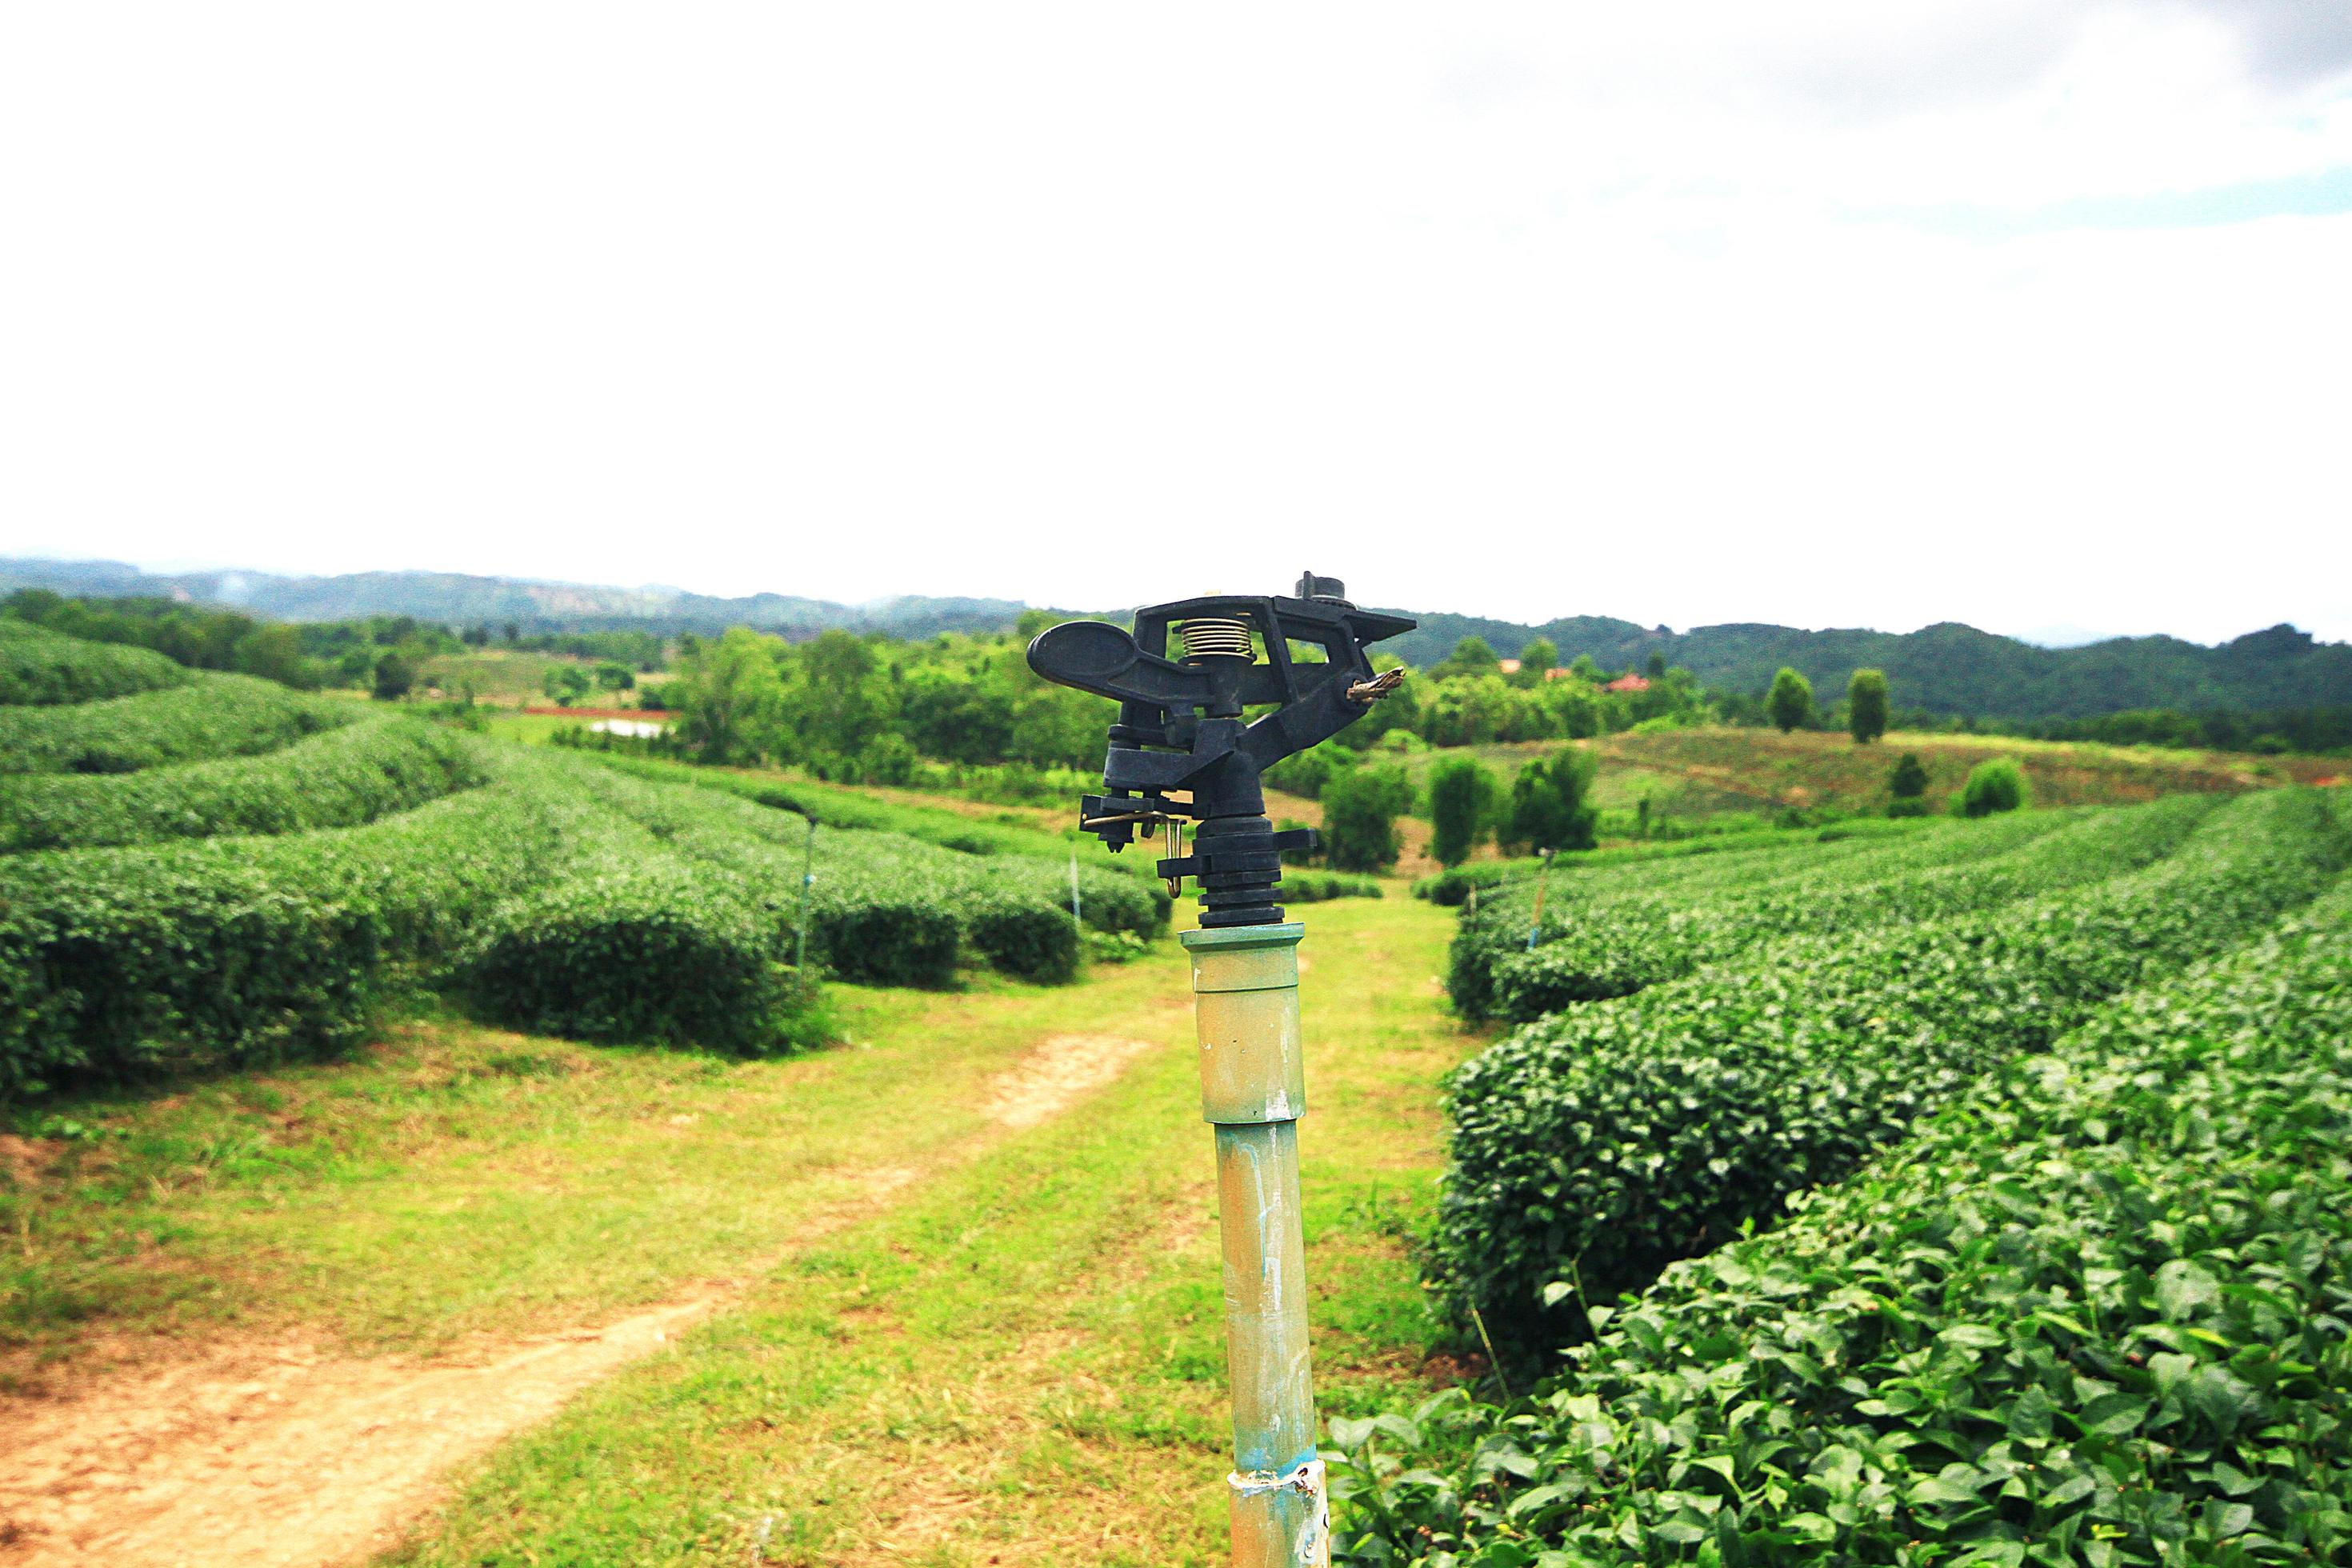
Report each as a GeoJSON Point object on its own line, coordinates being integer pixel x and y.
{"type": "Point", "coordinates": [1947, 669]}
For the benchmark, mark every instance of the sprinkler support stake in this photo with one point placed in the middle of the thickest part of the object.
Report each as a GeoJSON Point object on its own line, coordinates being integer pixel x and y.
{"type": "Point", "coordinates": [1180, 750]}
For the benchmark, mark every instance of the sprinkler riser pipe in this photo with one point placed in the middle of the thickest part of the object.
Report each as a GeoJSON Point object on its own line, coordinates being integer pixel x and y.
{"type": "Point", "coordinates": [1253, 1091]}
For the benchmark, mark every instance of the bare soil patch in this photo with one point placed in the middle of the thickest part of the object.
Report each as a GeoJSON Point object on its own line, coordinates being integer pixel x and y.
{"type": "Point", "coordinates": [284, 1455]}
{"type": "Point", "coordinates": [24, 1160]}
{"type": "Point", "coordinates": [1060, 1070]}
{"type": "Point", "coordinates": [275, 1456]}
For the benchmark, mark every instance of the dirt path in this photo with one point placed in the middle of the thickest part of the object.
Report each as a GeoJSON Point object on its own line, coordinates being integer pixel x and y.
{"type": "Point", "coordinates": [275, 1456]}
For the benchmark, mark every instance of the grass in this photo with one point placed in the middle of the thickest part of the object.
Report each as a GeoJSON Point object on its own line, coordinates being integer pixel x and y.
{"type": "Point", "coordinates": [1710, 771]}
{"type": "Point", "coordinates": [512, 676]}
{"type": "Point", "coordinates": [1016, 1357]}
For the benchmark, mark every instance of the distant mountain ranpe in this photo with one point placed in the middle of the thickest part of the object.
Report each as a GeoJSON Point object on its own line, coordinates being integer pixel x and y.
{"type": "Point", "coordinates": [1944, 669]}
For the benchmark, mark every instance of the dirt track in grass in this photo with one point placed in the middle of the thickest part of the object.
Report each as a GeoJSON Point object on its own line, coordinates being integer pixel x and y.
{"type": "Point", "coordinates": [275, 1455]}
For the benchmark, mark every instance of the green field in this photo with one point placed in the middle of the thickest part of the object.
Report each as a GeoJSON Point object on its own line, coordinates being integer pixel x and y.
{"type": "Point", "coordinates": [1709, 769]}
{"type": "Point", "coordinates": [438, 1130]}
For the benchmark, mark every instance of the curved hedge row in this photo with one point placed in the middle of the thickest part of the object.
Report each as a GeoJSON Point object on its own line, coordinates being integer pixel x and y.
{"type": "Point", "coordinates": [1659, 860]}
{"type": "Point", "coordinates": [214, 716]}
{"type": "Point", "coordinates": [1649, 902]}
{"type": "Point", "coordinates": [39, 665]}
{"type": "Point", "coordinates": [350, 774]}
{"type": "Point", "coordinates": [121, 962]}
{"type": "Point", "coordinates": [2094, 1313]}
{"type": "Point", "coordinates": [1604, 1142]}
{"type": "Point", "coordinates": [887, 909]}
{"type": "Point", "coordinates": [1616, 947]}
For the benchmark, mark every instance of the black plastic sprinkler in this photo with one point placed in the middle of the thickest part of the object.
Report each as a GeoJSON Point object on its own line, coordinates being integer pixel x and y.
{"type": "Point", "coordinates": [1183, 749]}
{"type": "Point", "coordinates": [1181, 731]}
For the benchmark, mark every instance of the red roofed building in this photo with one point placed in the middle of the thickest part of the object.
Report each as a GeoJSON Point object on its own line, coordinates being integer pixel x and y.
{"type": "Point", "coordinates": [1628, 683]}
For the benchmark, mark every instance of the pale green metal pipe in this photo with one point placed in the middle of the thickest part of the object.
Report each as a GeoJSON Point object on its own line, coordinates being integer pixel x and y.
{"type": "Point", "coordinates": [1253, 1090]}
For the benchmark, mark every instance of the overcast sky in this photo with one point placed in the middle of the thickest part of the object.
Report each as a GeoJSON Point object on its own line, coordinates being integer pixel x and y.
{"type": "Point", "coordinates": [2027, 315]}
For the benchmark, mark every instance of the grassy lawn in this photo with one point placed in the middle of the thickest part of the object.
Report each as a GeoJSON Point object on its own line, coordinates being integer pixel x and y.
{"type": "Point", "coordinates": [1004, 1343]}
{"type": "Point", "coordinates": [1701, 772]}
{"type": "Point", "coordinates": [511, 677]}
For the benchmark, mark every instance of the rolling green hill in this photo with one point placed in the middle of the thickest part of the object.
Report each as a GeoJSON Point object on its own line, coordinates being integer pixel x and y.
{"type": "Point", "coordinates": [1944, 669]}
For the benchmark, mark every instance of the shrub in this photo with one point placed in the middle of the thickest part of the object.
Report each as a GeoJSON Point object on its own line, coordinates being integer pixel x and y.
{"type": "Point", "coordinates": [1908, 779]}
{"type": "Point", "coordinates": [1360, 811]}
{"type": "Point", "coordinates": [658, 952]}
{"type": "Point", "coordinates": [41, 666]}
{"type": "Point", "coordinates": [394, 676]}
{"type": "Point", "coordinates": [1461, 799]}
{"type": "Point", "coordinates": [1549, 810]}
{"type": "Point", "coordinates": [1306, 772]}
{"type": "Point", "coordinates": [1614, 947]}
{"type": "Point", "coordinates": [121, 963]}
{"type": "Point", "coordinates": [2093, 1313]}
{"type": "Point", "coordinates": [1321, 887]}
{"type": "Point", "coordinates": [215, 716]}
{"type": "Point", "coordinates": [1617, 1137]}
{"type": "Point", "coordinates": [1994, 785]}
{"type": "Point", "coordinates": [333, 779]}
{"type": "Point", "coordinates": [1022, 935]}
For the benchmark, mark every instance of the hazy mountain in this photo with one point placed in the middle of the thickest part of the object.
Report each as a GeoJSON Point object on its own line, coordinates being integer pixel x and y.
{"type": "Point", "coordinates": [456, 599]}
{"type": "Point", "coordinates": [1947, 668]}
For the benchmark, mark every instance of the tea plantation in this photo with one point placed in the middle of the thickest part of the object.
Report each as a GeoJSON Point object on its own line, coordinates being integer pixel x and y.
{"type": "Point", "coordinates": [1977, 1195]}
{"type": "Point", "coordinates": [206, 870]}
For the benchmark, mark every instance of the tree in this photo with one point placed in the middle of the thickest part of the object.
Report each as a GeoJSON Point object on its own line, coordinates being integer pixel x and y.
{"type": "Point", "coordinates": [1906, 785]}
{"type": "Point", "coordinates": [1471, 656]}
{"type": "Point", "coordinates": [1461, 800]}
{"type": "Point", "coordinates": [1360, 811]}
{"type": "Point", "coordinates": [1549, 810]}
{"type": "Point", "coordinates": [1994, 785]}
{"type": "Point", "coordinates": [842, 699]}
{"type": "Point", "coordinates": [615, 676]}
{"type": "Point", "coordinates": [730, 691]}
{"type": "Point", "coordinates": [1539, 656]}
{"type": "Point", "coordinates": [1865, 705]}
{"type": "Point", "coordinates": [565, 685]}
{"type": "Point", "coordinates": [396, 675]}
{"type": "Point", "coordinates": [275, 653]}
{"type": "Point", "coordinates": [1656, 666]}
{"type": "Point", "coordinates": [1790, 700]}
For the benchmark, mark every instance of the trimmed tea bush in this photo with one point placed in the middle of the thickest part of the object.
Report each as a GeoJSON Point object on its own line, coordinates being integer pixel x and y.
{"type": "Point", "coordinates": [351, 774]}
{"type": "Point", "coordinates": [1023, 934]}
{"type": "Point", "coordinates": [658, 952]}
{"type": "Point", "coordinates": [2093, 1313]}
{"type": "Point", "coordinates": [121, 964]}
{"type": "Point", "coordinates": [1603, 1143]}
{"type": "Point", "coordinates": [38, 666]}
{"type": "Point", "coordinates": [1627, 908]}
{"type": "Point", "coordinates": [216, 716]}
{"type": "Point", "coordinates": [1304, 887]}
{"type": "Point", "coordinates": [885, 910]}
{"type": "Point", "coordinates": [1616, 947]}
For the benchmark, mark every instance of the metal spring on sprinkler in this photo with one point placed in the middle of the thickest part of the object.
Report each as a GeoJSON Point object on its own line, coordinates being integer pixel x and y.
{"type": "Point", "coordinates": [1215, 636]}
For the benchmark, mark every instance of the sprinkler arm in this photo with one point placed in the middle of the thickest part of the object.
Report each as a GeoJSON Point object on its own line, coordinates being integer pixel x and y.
{"type": "Point", "coordinates": [1180, 726]}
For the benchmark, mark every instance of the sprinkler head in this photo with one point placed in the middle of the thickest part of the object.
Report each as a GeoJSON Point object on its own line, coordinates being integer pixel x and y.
{"type": "Point", "coordinates": [1183, 747]}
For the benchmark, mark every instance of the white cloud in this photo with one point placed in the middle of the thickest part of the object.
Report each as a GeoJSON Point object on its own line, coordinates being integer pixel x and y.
{"type": "Point", "coordinates": [1679, 314]}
